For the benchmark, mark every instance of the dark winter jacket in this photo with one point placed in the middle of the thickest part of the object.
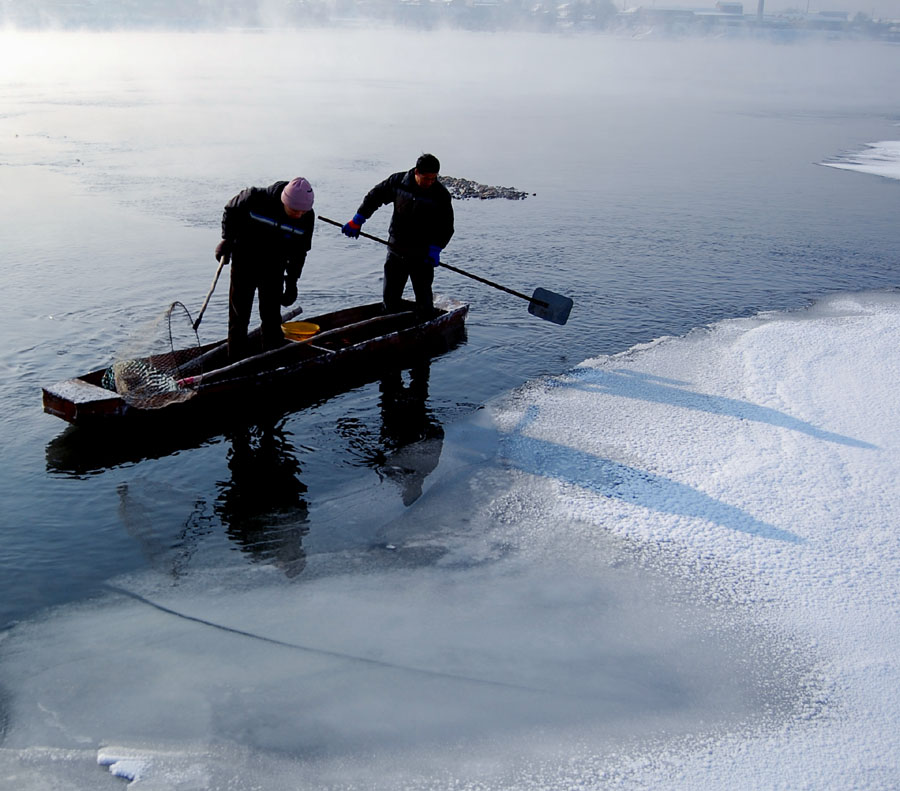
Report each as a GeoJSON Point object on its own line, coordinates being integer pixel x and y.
{"type": "Point", "coordinates": [422, 217]}
{"type": "Point", "coordinates": [255, 224]}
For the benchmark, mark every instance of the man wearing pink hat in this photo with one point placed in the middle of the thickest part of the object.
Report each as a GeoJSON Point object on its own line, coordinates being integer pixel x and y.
{"type": "Point", "coordinates": [266, 232]}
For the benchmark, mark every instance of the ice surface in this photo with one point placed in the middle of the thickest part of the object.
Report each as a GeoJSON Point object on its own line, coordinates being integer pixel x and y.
{"type": "Point", "coordinates": [675, 568]}
{"type": "Point", "coordinates": [808, 445]}
{"type": "Point", "coordinates": [878, 159]}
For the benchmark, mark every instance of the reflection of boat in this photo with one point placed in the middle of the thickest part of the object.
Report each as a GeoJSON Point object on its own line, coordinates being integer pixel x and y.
{"type": "Point", "coordinates": [84, 450]}
{"type": "Point", "coordinates": [348, 342]}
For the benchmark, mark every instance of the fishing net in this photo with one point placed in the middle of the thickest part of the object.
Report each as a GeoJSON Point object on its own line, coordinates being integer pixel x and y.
{"type": "Point", "coordinates": [149, 370]}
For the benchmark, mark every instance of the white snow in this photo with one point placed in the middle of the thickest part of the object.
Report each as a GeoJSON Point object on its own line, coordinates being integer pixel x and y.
{"type": "Point", "coordinates": [769, 448]}
{"type": "Point", "coordinates": [673, 568]}
{"type": "Point", "coordinates": [878, 159]}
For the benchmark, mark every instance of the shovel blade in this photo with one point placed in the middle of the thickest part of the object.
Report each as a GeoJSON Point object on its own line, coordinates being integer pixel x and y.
{"type": "Point", "coordinates": [555, 307]}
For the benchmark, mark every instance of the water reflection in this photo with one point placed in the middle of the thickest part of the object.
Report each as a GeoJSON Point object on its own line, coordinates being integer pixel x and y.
{"type": "Point", "coordinates": [405, 445]}
{"type": "Point", "coordinates": [86, 451]}
{"type": "Point", "coordinates": [262, 502]}
{"type": "Point", "coordinates": [411, 436]}
{"type": "Point", "coordinates": [263, 506]}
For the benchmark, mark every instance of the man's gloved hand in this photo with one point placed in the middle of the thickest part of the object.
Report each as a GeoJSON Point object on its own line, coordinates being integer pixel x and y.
{"type": "Point", "coordinates": [351, 229]}
{"type": "Point", "coordinates": [223, 248]}
{"type": "Point", "coordinates": [434, 255]}
{"type": "Point", "coordinates": [289, 295]}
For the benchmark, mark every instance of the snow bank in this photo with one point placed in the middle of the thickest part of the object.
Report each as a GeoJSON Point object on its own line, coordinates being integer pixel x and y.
{"type": "Point", "coordinates": [768, 448]}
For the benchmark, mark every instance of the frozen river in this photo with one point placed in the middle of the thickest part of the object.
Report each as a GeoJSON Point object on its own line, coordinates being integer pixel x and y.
{"type": "Point", "coordinates": [552, 557]}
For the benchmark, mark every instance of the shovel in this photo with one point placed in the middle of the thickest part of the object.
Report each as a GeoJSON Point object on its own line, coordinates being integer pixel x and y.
{"type": "Point", "coordinates": [544, 304]}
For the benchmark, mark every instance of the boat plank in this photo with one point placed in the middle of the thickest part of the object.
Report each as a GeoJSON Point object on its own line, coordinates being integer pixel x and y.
{"type": "Point", "coordinates": [78, 391]}
{"type": "Point", "coordinates": [349, 340]}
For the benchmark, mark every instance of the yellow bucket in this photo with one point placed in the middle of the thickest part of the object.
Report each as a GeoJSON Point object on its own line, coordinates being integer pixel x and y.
{"type": "Point", "coordinates": [299, 330]}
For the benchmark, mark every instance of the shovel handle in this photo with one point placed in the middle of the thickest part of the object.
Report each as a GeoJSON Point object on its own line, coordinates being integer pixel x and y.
{"type": "Point", "coordinates": [448, 266]}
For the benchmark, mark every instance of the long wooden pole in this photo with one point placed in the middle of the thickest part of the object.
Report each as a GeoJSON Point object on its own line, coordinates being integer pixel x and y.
{"type": "Point", "coordinates": [222, 261]}
{"type": "Point", "coordinates": [447, 266]}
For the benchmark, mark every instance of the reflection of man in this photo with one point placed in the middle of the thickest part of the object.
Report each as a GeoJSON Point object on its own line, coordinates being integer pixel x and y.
{"type": "Point", "coordinates": [412, 437]}
{"type": "Point", "coordinates": [262, 506]}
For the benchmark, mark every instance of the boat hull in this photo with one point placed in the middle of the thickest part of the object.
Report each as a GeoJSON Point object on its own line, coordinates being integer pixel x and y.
{"type": "Point", "coordinates": [350, 343]}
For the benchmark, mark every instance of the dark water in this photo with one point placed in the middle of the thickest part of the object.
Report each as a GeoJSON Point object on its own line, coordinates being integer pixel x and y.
{"type": "Point", "coordinates": [675, 185]}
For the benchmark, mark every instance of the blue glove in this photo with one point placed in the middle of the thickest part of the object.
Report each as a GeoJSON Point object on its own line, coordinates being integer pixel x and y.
{"type": "Point", "coordinates": [351, 229]}
{"type": "Point", "coordinates": [434, 255]}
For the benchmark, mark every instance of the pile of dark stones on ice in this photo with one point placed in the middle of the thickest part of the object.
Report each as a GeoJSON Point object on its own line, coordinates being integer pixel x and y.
{"type": "Point", "coordinates": [463, 189]}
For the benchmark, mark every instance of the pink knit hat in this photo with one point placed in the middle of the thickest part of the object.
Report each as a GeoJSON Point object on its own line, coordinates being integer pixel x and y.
{"type": "Point", "coordinates": [298, 195]}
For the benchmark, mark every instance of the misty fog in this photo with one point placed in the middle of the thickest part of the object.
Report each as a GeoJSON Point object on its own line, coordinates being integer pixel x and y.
{"type": "Point", "coordinates": [852, 18]}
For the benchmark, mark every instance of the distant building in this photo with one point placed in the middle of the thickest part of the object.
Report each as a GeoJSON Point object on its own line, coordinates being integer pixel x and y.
{"type": "Point", "coordinates": [730, 7]}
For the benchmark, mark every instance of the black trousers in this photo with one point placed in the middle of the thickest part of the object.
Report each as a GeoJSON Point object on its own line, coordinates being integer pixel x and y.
{"type": "Point", "coordinates": [266, 278]}
{"type": "Point", "coordinates": [397, 270]}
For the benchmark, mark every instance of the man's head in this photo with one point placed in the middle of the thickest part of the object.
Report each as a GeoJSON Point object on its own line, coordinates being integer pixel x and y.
{"type": "Point", "coordinates": [427, 169]}
{"type": "Point", "coordinates": [297, 197]}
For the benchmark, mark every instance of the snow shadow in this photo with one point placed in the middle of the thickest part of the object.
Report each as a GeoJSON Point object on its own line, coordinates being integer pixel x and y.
{"type": "Point", "coordinates": [629, 484]}
{"type": "Point", "coordinates": [656, 389]}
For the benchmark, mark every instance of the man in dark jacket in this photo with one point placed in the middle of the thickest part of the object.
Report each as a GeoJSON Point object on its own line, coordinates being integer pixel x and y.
{"type": "Point", "coordinates": [421, 227]}
{"type": "Point", "coordinates": [267, 232]}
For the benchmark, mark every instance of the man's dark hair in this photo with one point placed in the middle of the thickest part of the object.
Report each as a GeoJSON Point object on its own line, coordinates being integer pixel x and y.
{"type": "Point", "coordinates": [428, 163]}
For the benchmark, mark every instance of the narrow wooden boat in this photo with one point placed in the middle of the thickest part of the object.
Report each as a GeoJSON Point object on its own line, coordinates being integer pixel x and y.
{"type": "Point", "coordinates": [347, 343]}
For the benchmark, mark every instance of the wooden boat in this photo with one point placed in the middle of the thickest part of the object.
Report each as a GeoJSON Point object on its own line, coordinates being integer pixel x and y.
{"type": "Point", "coordinates": [348, 342]}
